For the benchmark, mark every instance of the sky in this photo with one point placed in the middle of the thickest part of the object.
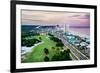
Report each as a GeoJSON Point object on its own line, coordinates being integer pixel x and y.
{"type": "Point", "coordinates": [73, 19]}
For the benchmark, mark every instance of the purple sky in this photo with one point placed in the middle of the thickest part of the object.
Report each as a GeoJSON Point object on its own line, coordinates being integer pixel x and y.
{"type": "Point", "coordinates": [74, 19]}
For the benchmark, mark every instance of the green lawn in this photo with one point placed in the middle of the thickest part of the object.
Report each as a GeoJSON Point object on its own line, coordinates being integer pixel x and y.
{"type": "Point", "coordinates": [37, 55]}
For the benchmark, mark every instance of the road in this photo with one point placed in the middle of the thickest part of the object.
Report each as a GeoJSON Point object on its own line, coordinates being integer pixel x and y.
{"type": "Point", "coordinates": [74, 50]}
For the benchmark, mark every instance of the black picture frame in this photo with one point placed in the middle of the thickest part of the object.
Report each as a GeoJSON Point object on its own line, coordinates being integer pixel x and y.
{"type": "Point", "coordinates": [13, 35]}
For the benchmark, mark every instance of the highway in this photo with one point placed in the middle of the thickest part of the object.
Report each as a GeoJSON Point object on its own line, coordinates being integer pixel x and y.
{"type": "Point", "coordinates": [73, 49]}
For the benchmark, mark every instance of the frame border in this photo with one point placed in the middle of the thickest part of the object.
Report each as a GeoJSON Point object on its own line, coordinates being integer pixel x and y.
{"type": "Point", "coordinates": [13, 35]}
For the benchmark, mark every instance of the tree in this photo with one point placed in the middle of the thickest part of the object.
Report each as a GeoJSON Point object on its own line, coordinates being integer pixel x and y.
{"type": "Point", "coordinates": [46, 51]}
{"type": "Point", "coordinates": [62, 48]}
{"type": "Point", "coordinates": [46, 58]}
{"type": "Point", "coordinates": [58, 49]}
{"type": "Point", "coordinates": [29, 42]}
{"type": "Point", "coordinates": [66, 54]}
{"type": "Point", "coordinates": [68, 51]}
{"type": "Point", "coordinates": [40, 38]}
{"type": "Point", "coordinates": [56, 57]}
{"type": "Point", "coordinates": [53, 47]}
{"type": "Point", "coordinates": [59, 44]}
{"type": "Point", "coordinates": [50, 34]}
{"type": "Point", "coordinates": [62, 56]}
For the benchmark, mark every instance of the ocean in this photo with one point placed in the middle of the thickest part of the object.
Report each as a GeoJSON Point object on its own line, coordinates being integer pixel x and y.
{"type": "Point", "coordinates": [80, 31]}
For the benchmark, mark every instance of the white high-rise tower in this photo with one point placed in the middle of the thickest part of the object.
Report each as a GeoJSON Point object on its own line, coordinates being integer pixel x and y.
{"type": "Point", "coordinates": [66, 27]}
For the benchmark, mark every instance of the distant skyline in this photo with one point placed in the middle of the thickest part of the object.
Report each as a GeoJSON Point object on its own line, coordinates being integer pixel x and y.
{"type": "Point", "coordinates": [73, 19]}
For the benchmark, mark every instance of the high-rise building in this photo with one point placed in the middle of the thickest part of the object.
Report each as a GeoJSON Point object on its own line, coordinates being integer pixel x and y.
{"type": "Point", "coordinates": [66, 27]}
